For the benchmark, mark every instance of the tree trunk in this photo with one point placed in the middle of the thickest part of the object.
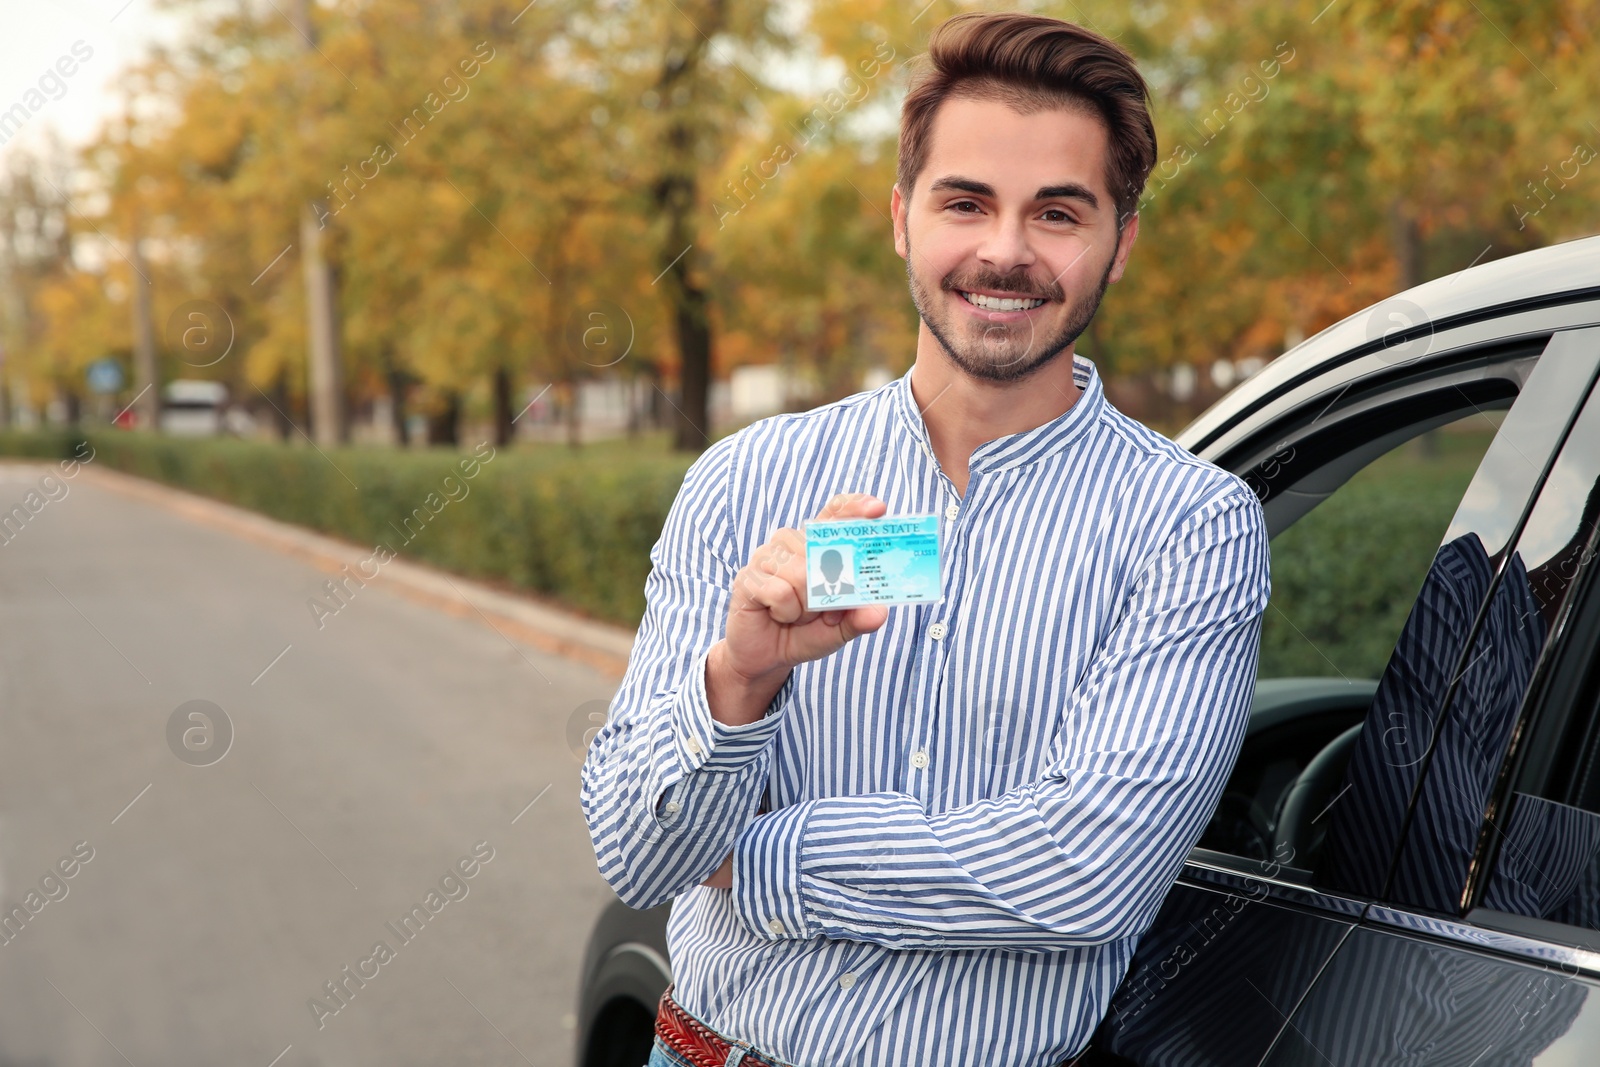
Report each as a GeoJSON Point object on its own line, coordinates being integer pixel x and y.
{"type": "Point", "coordinates": [694, 348]}
{"type": "Point", "coordinates": [1407, 238]}
{"type": "Point", "coordinates": [281, 420]}
{"type": "Point", "coordinates": [147, 406]}
{"type": "Point", "coordinates": [443, 424]}
{"type": "Point", "coordinates": [572, 413]}
{"type": "Point", "coordinates": [330, 424]}
{"type": "Point", "coordinates": [399, 381]}
{"type": "Point", "coordinates": [676, 195]}
{"type": "Point", "coordinates": [502, 406]}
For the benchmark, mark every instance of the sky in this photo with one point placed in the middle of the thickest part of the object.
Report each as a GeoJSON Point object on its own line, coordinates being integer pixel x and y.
{"type": "Point", "coordinates": [39, 34]}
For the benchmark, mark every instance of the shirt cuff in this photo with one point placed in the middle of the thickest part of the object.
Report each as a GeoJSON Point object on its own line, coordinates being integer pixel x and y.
{"type": "Point", "coordinates": [767, 895]}
{"type": "Point", "coordinates": [703, 742]}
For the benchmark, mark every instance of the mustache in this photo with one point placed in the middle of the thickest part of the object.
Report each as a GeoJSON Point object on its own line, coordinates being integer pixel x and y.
{"type": "Point", "coordinates": [1013, 285]}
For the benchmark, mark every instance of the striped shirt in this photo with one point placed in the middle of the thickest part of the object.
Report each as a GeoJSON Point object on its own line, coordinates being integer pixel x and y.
{"type": "Point", "coordinates": [975, 810]}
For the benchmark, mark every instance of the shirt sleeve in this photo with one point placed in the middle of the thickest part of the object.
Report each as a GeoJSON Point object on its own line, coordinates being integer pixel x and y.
{"type": "Point", "coordinates": [664, 787]}
{"type": "Point", "coordinates": [1085, 854]}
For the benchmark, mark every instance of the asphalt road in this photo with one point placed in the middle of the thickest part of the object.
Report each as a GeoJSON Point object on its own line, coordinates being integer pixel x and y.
{"type": "Point", "coordinates": [365, 763]}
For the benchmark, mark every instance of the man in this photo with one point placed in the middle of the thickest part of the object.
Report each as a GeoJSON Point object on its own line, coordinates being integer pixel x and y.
{"type": "Point", "coordinates": [932, 834]}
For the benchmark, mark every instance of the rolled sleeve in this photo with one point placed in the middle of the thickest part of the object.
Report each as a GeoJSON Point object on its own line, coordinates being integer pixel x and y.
{"type": "Point", "coordinates": [767, 894]}
{"type": "Point", "coordinates": [703, 743]}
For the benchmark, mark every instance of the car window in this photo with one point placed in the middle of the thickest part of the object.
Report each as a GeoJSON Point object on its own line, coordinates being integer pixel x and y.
{"type": "Point", "coordinates": [1546, 845]}
{"type": "Point", "coordinates": [1344, 577]}
{"type": "Point", "coordinates": [1375, 592]}
{"type": "Point", "coordinates": [1425, 761]}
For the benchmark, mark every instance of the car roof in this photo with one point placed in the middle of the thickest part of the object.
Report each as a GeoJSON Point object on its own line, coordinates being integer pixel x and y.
{"type": "Point", "coordinates": [1552, 275]}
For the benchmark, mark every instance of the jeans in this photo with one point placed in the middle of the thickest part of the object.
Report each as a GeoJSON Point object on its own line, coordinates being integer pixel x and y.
{"type": "Point", "coordinates": [661, 1056]}
{"type": "Point", "coordinates": [665, 1057]}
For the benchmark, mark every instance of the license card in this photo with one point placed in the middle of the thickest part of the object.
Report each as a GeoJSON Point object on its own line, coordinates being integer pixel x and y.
{"type": "Point", "coordinates": [854, 562]}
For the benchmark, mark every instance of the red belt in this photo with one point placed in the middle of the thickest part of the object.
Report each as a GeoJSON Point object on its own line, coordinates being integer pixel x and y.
{"type": "Point", "coordinates": [694, 1041]}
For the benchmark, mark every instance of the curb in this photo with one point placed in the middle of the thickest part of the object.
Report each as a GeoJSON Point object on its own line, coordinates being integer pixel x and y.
{"type": "Point", "coordinates": [600, 645]}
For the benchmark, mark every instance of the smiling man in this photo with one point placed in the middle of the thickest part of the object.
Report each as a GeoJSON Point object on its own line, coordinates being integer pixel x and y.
{"type": "Point", "coordinates": [933, 834]}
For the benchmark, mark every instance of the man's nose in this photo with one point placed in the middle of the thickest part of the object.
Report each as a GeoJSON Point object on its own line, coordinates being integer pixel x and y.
{"type": "Point", "coordinates": [1005, 245]}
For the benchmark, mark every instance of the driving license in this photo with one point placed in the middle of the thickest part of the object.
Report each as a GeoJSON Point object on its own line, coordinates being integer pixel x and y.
{"type": "Point", "coordinates": [854, 562]}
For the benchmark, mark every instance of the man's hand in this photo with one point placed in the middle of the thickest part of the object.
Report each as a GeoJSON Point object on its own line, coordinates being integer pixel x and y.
{"type": "Point", "coordinates": [769, 629]}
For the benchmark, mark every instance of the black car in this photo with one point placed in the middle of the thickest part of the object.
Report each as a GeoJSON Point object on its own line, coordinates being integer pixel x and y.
{"type": "Point", "coordinates": [1405, 865]}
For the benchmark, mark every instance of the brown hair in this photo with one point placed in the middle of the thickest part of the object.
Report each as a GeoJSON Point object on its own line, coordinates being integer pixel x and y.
{"type": "Point", "coordinates": [1033, 63]}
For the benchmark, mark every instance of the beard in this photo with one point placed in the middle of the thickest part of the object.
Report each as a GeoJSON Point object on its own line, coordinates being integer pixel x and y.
{"type": "Point", "coordinates": [1003, 352]}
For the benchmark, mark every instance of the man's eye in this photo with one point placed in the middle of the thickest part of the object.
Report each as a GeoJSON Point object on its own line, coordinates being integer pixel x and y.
{"type": "Point", "coordinates": [1061, 216]}
{"type": "Point", "coordinates": [962, 203]}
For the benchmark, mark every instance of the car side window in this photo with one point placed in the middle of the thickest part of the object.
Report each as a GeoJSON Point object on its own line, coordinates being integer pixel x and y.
{"type": "Point", "coordinates": [1376, 595]}
{"type": "Point", "coordinates": [1546, 844]}
{"type": "Point", "coordinates": [1424, 763]}
{"type": "Point", "coordinates": [1344, 577]}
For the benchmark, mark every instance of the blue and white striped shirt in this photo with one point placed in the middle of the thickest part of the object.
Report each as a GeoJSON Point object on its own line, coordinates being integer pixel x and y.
{"type": "Point", "coordinates": [977, 809]}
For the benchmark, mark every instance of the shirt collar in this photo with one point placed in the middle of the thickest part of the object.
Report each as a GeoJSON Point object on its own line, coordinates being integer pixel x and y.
{"type": "Point", "coordinates": [1017, 449]}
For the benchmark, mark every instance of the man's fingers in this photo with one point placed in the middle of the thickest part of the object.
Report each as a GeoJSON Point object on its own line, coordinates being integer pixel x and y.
{"type": "Point", "coordinates": [852, 506]}
{"type": "Point", "coordinates": [779, 596]}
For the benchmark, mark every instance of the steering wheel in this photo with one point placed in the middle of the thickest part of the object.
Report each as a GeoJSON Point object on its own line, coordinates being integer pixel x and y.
{"type": "Point", "coordinates": [1308, 798]}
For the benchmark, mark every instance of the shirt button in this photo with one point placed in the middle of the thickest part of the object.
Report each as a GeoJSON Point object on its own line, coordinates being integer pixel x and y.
{"type": "Point", "coordinates": [919, 759]}
{"type": "Point", "coordinates": [693, 746]}
{"type": "Point", "coordinates": [951, 511]}
{"type": "Point", "coordinates": [673, 807]}
{"type": "Point", "coordinates": [776, 926]}
{"type": "Point", "coordinates": [937, 630]}
{"type": "Point", "coordinates": [846, 980]}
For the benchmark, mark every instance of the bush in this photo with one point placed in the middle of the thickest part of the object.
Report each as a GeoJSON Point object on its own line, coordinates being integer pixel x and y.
{"type": "Point", "coordinates": [576, 527]}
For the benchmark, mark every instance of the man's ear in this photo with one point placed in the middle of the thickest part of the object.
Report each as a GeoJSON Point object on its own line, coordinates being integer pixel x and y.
{"type": "Point", "coordinates": [1130, 233]}
{"type": "Point", "coordinates": [897, 213]}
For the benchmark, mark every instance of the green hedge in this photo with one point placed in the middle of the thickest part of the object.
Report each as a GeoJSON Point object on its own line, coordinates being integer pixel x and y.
{"type": "Point", "coordinates": [572, 526]}
{"type": "Point", "coordinates": [577, 527]}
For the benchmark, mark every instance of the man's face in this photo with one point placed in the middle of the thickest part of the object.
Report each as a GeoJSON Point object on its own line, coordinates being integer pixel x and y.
{"type": "Point", "coordinates": [1016, 207]}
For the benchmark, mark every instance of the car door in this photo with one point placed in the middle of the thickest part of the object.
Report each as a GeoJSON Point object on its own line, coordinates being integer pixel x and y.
{"type": "Point", "coordinates": [1363, 481]}
{"type": "Point", "coordinates": [1482, 945]}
